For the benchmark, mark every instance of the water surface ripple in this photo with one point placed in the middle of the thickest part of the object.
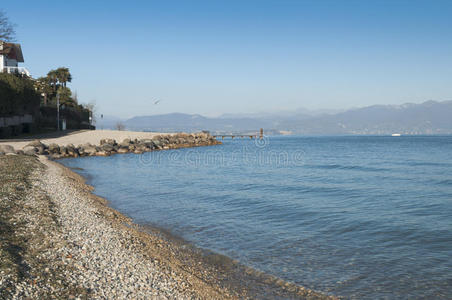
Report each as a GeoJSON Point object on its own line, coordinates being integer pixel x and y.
{"type": "Point", "coordinates": [360, 217]}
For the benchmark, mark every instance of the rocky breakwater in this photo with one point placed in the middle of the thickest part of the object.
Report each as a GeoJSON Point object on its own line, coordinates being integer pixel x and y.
{"type": "Point", "coordinates": [108, 147]}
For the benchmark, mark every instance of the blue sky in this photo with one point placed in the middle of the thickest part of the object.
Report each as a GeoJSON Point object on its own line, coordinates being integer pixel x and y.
{"type": "Point", "coordinates": [214, 57]}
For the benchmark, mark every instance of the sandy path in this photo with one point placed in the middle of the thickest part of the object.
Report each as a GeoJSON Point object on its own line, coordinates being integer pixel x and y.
{"type": "Point", "coordinates": [89, 136]}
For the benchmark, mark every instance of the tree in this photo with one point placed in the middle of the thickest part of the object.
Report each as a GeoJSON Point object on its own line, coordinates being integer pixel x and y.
{"type": "Point", "coordinates": [120, 126]}
{"type": "Point", "coordinates": [55, 82]}
{"type": "Point", "coordinates": [59, 77]}
{"type": "Point", "coordinates": [7, 32]}
{"type": "Point", "coordinates": [43, 86]}
{"type": "Point", "coordinates": [52, 77]}
{"type": "Point", "coordinates": [66, 97]}
{"type": "Point", "coordinates": [92, 108]}
{"type": "Point", "coordinates": [63, 75]}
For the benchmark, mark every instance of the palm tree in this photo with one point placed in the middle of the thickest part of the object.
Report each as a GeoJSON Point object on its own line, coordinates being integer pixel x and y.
{"type": "Point", "coordinates": [63, 75]}
{"type": "Point", "coordinates": [52, 77]}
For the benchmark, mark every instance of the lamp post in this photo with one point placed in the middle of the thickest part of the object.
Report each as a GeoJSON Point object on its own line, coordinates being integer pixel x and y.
{"type": "Point", "coordinates": [58, 111]}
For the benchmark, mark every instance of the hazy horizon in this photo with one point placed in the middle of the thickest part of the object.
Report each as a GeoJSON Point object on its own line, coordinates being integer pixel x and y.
{"type": "Point", "coordinates": [297, 111]}
{"type": "Point", "coordinates": [213, 58]}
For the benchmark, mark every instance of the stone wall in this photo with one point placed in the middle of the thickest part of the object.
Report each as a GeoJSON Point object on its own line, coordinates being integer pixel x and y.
{"type": "Point", "coordinates": [14, 125]}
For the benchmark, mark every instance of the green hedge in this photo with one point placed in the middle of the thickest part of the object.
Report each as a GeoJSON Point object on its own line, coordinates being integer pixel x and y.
{"type": "Point", "coordinates": [17, 95]}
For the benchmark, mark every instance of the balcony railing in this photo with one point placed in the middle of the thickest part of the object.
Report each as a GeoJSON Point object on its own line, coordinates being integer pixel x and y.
{"type": "Point", "coordinates": [16, 70]}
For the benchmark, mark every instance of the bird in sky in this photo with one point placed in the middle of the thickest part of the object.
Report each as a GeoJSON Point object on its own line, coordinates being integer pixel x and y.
{"type": "Point", "coordinates": [156, 102]}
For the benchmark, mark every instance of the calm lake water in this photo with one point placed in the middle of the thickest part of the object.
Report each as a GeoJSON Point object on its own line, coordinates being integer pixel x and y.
{"type": "Point", "coordinates": [360, 217]}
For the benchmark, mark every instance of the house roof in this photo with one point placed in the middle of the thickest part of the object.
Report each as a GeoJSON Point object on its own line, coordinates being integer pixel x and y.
{"type": "Point", "coordinates": [11, 50]}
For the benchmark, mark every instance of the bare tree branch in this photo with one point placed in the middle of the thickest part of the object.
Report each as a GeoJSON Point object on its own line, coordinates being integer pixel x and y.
{"type": "Point", "coordinates": [7, 31]}
{"type": "Point", "coordinates": [120, 126]}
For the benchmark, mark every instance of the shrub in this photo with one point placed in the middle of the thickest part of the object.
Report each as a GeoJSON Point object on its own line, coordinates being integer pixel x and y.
{"type": "Point", "coordinates": [17, 95]}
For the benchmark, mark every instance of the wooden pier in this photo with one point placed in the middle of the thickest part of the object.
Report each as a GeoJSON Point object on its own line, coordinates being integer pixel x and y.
{"type": "Point", "coordinates": [243, 136]}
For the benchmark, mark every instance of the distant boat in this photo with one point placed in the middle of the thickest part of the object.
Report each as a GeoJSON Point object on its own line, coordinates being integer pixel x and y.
{"type": "Point", "coordinates": [396, 134]}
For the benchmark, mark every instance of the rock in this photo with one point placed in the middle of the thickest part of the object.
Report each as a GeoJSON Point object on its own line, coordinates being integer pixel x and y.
{"type": "Point", "coordinates": [42, 150]}
{"type": "Point", "coordinates": [137, 151]}
{"type": "Point", "coordinates": [123, 150]}
{"type": "Point", "coordinates": [30, 148]}
{"type": "Point", "coordinates": [63, 150]}
{"type": "Point", "coordinates": [88, 149]}
{"type": "Point", "coordinates": [182, 135]}
{"type": "Point", "coordinates": [71, 150]}
{"type": "Point", "coordinates": [7, 149]}
{"type": "Point", "coordinates": [86, 145]}
{"type": "Point", "coordinates": [102, 153]}
{"type": "Point", "coordinates": [91, 152]}
{"type": "Point", "coordinates": [107, 147]}
{"type": "Point", "coordinates": [53, 148]}
{"type": "Point", "coordinates": [125, 143]}
{"type": "Point", "coordinates": [37, 144]}
{"type": "Point", "coordinates": [79, 149]}
{"type": "Point", "coordinates": [108, 141]}
{"type": "Point", "coordinates": [141, 148]}
{"type": "Point", "coordinates": [40, 147]}
{"type": "Point", "coordinates": [73, 153]}
{"type": "Point", "coordinates": [148, 143]}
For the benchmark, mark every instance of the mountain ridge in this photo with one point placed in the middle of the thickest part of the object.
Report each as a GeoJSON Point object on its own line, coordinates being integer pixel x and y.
{"type": "Point", "coordinates": [429, 117]}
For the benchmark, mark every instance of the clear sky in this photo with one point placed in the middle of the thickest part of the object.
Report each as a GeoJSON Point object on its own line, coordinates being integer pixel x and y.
{"type": "Point", "coordinates": [214, 57]}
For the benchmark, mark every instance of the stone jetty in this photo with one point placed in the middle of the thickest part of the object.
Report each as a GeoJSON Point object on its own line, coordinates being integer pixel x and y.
{"type": "Point", "coordinates": [107, 146]}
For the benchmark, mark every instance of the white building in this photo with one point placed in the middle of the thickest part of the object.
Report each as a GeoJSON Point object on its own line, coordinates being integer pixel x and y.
{"type": "Point", "coordinates": [10, 57]}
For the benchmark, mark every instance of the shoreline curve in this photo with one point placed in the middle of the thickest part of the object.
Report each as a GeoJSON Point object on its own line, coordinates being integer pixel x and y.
{"type": "Point", "coordinates": [239, 280]}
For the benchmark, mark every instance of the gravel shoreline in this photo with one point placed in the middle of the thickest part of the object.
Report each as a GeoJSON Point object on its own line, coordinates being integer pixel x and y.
{"type": "Point", "coordinates": [58, 240]}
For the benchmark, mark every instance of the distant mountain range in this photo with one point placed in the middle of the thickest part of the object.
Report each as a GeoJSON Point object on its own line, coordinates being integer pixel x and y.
{"type": "Point", "coordinates": [430, 117]}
